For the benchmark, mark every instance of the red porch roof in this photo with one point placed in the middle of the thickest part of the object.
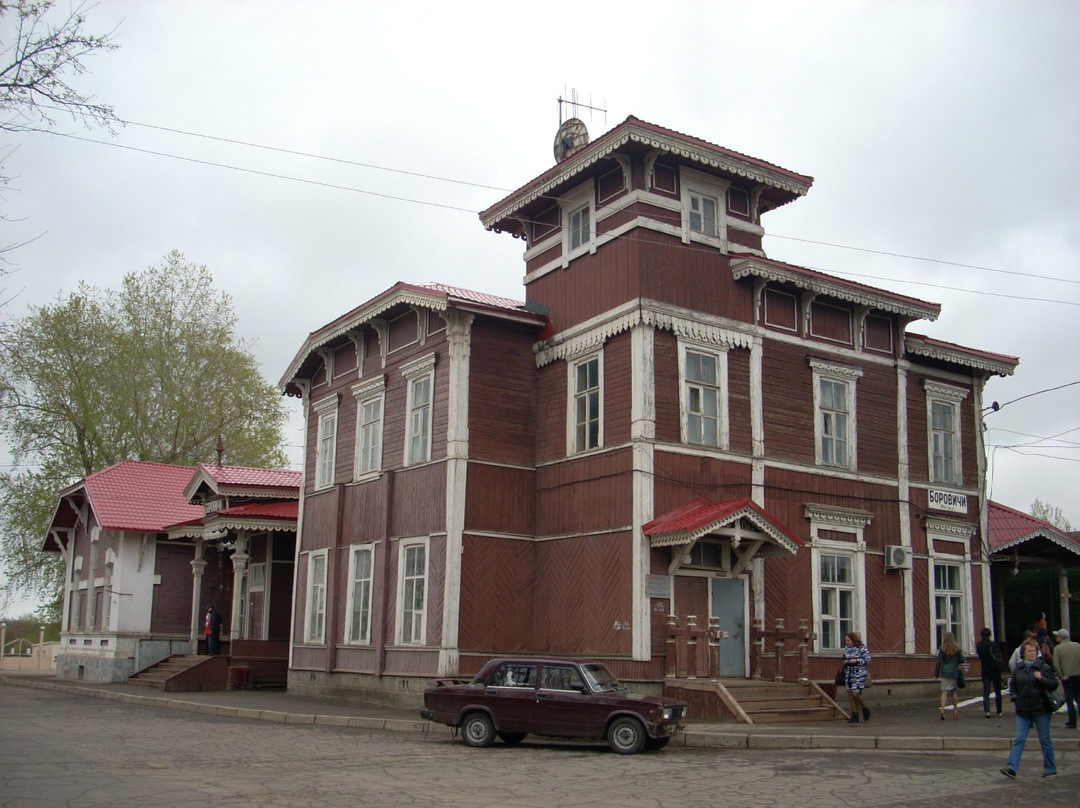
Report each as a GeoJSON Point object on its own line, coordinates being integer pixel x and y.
{"type": "Point", "coordinates": [138, 496]}
{"type": "Point", "coordinates": [1010, 528]}
{"type": "Point", "coordinates": [701, 517]}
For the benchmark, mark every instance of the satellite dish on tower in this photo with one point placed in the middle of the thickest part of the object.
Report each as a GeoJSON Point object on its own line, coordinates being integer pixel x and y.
{"type": "Point", "coordinates": [571, 138]}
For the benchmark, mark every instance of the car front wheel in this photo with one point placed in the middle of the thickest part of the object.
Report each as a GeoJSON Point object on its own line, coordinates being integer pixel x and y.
{"type": "Point", "coordinates": [626, 736]}
{"type": "Point", "coordinates": [477, 730]}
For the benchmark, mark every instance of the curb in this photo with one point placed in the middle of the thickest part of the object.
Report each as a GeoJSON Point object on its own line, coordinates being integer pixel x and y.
{"type": "Point", "coordinates": [690, 739]}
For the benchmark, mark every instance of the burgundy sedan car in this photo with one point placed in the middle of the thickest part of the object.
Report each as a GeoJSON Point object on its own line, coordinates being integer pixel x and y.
{"type": "Point", "coordinates": [512, 698]}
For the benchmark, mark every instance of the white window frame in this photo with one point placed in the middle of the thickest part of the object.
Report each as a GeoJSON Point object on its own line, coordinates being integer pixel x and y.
{"type": "Point", "coordinates": [847, 376]}
{"type": "Point", "coordinates": [315, 616]}
{"type": "Point", "coordinates": [958, 596]}
{"type": "Point", "coordinates": [720, 356]}
{"type": "Point", "coordinates": [418, 635]}
{"type": "Point", "coordinates": [572, 365]}
{"type": "Point", "coordinates": [831, 520]}
{"type": "Point", "coordinates": [359, 626]}
{"type": "Point", "coordinates": [326, 411]}
{"type": "Point", "coordinates": [944, 395]}
{"type": "Point", "coordinates": [582, 198]}
{"type": "Point", "coordinates": [418, 418]}
{"type": "Point", "coordinates": [369, 394]}
{"type": "Point", "coordinates": [697, 184]}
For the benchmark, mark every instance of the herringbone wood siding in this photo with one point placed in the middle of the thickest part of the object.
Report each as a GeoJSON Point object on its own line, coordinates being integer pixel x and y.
{"type": "Point", "coordinates": [497, 595]}
{"type": "Point", "coordinates": [583, 595]}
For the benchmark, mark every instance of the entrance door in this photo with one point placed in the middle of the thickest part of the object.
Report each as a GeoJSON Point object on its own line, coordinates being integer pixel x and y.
{"type": "Point", "coordinates": [729, 604]}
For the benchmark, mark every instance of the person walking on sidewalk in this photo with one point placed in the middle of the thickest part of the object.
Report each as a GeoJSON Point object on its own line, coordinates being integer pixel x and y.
{"type": "Point", "coordinates": [993, 663]}
{"type": "Point", "coordinates": [1067, 668]}
{"type": "Point", "coordinates": [1032, 680]}
{"type": "Point", "coordinates": [856, 660]}
{"type": "Point", "coordinates": [949, 660]}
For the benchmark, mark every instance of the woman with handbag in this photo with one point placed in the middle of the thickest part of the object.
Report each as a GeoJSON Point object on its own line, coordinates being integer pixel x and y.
{"type": "Point", "coordinates": [856, 660]}
{"type": "Point", "coordinates": [1030, 687]}
{"type": "Point", "coordinates": [949, 660]}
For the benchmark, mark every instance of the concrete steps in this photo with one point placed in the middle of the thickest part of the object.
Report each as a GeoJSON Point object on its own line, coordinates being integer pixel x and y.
{"type": "Point", "coordinates": [158, 674]}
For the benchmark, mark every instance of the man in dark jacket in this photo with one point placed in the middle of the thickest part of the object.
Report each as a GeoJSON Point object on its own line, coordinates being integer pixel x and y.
{"type": "Point", "coordinates": [993, 662]}
{"type": "Point", "coordinates": [213, 631]}
{"type": "Point", "coordinates": [1031, 683]}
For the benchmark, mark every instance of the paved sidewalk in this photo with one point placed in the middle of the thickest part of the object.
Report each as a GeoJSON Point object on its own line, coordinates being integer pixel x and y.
{"type": "Point", "coordinates": [908, 726]}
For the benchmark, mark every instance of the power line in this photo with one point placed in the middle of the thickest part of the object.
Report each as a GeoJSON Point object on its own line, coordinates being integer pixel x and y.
{"type": "Point", "coordinates": [624, 236]}
{"type": "Point", "coordinates": [995, 407]}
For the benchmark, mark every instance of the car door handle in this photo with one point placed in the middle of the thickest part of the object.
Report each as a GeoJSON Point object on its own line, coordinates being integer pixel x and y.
{"type": "Point", "coordinates": [543, 696]}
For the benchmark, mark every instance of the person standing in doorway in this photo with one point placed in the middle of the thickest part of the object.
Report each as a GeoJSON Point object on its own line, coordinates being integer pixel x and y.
{"type": "Point", "coordinates": [949, 660]}
{"type": "Point", "coordinates": [1032, 680]}
{"type": "Point", "coordinates": [856, 660]}
{"type": "Point", "coordinates": [993, 663]}
{"type": "Point", "coordinates": [213, 631]}
{"type": "Point", "coordinates": [1067, 668]}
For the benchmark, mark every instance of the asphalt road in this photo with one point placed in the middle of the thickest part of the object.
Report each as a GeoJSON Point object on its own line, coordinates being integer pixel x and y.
{"type": "Point", "coordinates": [64, 750]}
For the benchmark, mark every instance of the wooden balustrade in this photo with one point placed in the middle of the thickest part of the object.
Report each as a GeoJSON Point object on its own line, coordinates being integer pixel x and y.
{"type": "Point", "coordinates": [693, 647]}
{"type": "Point", "coordinates": [769, 650]}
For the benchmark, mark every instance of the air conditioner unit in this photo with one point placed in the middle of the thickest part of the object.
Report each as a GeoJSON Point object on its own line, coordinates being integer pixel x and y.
{"type": "Point", "coordinates": [897, 558]}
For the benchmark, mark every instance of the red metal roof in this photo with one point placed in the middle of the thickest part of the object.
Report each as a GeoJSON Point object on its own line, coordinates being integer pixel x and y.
{"type": "Point", "coordinates": [139, 496]}
{"type": "Point", "coordinates": [1009, 528]}
{"type": "Point", "coordinates": [248, 477]}
{"type": "Point", "coordinates": [287, 510]}
{"type": "Point", "coordinates": [699, 516]}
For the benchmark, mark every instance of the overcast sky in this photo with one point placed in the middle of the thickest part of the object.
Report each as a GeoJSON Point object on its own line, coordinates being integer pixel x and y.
{"type": "Point", "coordinates": [944, 131]}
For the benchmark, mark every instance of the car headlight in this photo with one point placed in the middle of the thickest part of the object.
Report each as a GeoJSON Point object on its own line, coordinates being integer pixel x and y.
{"type": "Point", "coordinates": [669, 713]}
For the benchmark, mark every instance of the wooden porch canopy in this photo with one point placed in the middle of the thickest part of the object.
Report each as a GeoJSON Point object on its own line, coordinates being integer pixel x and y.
{"type": "Point", "coordinates": [743, 529]}
{"type": "Point", "coordinates": [1017, 537]}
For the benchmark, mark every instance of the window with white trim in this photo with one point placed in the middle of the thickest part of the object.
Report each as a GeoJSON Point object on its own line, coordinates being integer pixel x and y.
{"type": "Point", "coordinates": [837, 598]}
{"type": "Point", "coordinates": [586, 428]}
{"type": "Point", "coordinates": [704, 396]}
{"type": "Point", "coordinates": [948, 602]}
{"type": "Point", "coordinates": [838, 555]}
{"type": "Point", "coordinates": [418, 407]}
{"type": "Point", "coordinates": [316, 598]}
{"type": "Point", "coordinates": [702, 214]}
{"type": "Point", "coordinates": [369, 427]}
{"type": "Point", "coordinates": [703, 211]}
{"type": "Point", "coordinates": [412, 589]}
{"type": "Point", "coordinates": [578, 220]}
{"type": "Point", "coordinates": [358, 605]}
{"type": "Point", "coordinates": [834, 414]}
{"type": "Point", "coordinates": [326, 441]}
{"type": "Point", "coordinates": [943, 428]}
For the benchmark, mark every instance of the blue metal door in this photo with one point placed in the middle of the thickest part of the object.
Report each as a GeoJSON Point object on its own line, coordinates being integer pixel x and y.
{"type": "Point", "coordinates": [729, 604]}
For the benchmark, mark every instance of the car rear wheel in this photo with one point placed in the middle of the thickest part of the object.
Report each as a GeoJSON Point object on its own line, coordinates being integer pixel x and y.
{"type": "Point", "coordinates": [477, 730]}
{"type": "Point", "coordinates": [626, 736]}
{"type": "Point", "coordinates": [511, 738]}
{"type": "Point", "coordinates": [652, 744]}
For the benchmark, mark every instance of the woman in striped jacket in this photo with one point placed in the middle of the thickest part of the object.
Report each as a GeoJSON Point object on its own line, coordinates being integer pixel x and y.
{"type": "Point", "coordinates": [856, 660]}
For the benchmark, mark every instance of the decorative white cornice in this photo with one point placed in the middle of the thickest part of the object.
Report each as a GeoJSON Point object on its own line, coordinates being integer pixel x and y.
{"type": "Point", "coordinates": [832, 287]}
{"type": "Point", "coordinates": [1051, 536]}
{"type": "Point", "coordinates": [944, 391]}
{"type": "Point", "coordinates": [765, 529]}
{"type": "Point", "coordinates": [592, 334]}
{"type": "Point", "coordinates": [949, 529]}
{"type": "Point", "coordinates": [418, 367]}
{"type": "Point", "coordinates": [664, 143]}
{"type": "Point", "coordinates": [324, 405]}
{"type": "Point", "coordinates": [834, 368]}
{"type": "Point", "coordinates": [958, 356]}
{"type": "Point", "coordinates": [831, 515]}
{"type": "Point", "coordinates": [363, 389]}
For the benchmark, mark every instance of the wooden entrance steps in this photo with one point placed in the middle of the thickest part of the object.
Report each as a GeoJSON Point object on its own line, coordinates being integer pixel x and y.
{"type": "Point", "coordinates": [751, 701]}
{"type": "Point", "coordinates": [159, 674]}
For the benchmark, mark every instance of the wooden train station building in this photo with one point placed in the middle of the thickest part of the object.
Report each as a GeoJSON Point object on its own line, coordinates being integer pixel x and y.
{"type": "Point", "coordinates": [671, 423]}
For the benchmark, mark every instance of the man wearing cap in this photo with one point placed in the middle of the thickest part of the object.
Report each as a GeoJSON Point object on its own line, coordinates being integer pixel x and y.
{"type": "Point", "coordinates": [1067, 667]}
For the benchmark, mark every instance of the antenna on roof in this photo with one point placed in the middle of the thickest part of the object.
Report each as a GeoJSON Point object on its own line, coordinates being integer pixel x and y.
{"type": "Point", "coordinates": [220, 449]}
{"type": "Point", "coordinates": [573, 104]}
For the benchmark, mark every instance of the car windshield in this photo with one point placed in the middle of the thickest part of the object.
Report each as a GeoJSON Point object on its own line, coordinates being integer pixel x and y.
{"type": "Point", "coordinates": [600, 678]}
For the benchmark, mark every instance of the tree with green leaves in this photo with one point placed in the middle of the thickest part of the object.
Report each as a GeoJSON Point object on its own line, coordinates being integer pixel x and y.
{"type": "Point", "coordinates": [151, 371]}
{"type": "Point", "coordinates": [1048, 513]}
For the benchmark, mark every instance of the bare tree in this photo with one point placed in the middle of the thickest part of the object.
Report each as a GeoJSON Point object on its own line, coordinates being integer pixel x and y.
{"type": "Point", "coordinates": [40, 57]}
{"type": "Point", "coordinates": [1048, 513]}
